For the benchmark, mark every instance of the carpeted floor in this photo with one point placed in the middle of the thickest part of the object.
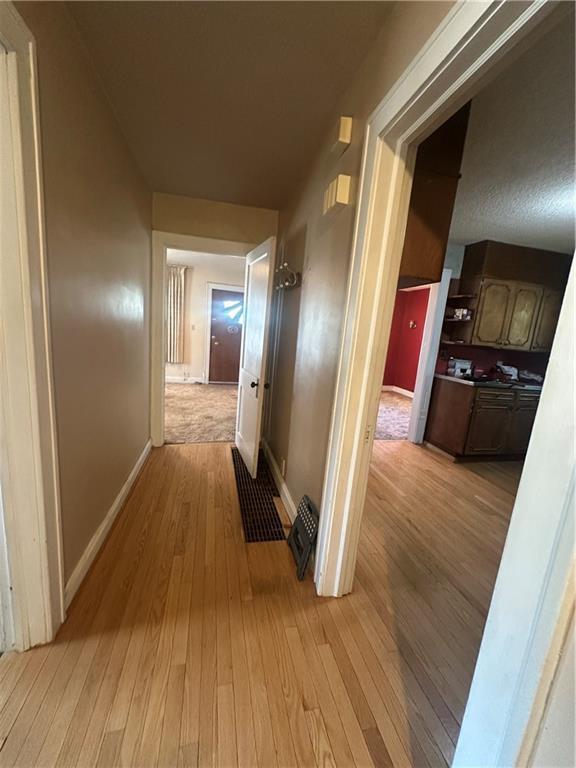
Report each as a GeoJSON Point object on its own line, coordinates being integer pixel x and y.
{"type": "Point", "coordinates": [200, 413]}
{"type": "Point", "coordinates": [393, 417]}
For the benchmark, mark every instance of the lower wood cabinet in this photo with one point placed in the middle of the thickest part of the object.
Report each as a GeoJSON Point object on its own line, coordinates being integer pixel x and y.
{"type": "Point", "coordinates": [490, 422]}
{"type": "Point", "coordinates": [522, 422]}
{"type": "Point", "coordinates": [479, 421]}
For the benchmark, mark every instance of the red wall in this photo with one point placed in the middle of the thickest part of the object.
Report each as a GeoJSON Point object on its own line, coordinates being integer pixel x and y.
{"type": "Point", "coordinates": [405, 342]}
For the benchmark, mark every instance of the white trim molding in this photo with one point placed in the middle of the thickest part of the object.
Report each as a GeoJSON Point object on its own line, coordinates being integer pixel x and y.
{"type": "Point", "coordinates": [428, 356]}
{"type": "Point", "coordinates": [471, 42]}
{"type": "Point", "coordinates": [95, 544]}
{"type": "Point", "coordinates": [161, 242]}
{"type": "Point", "coordinates": [285, 495]}
{"type": "Point", "coordinates": [183, 380]}
{"type": "Point", "coordinates": [398, 390]}
{"type": "Point", "coordinates": [29, 475]}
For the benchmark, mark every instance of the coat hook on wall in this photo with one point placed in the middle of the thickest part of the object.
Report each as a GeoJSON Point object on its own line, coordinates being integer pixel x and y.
{"type": "Point", "coordinates": [287, 278]}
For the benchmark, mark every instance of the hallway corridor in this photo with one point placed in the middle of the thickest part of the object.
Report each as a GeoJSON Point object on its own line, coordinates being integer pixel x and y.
{"type": "Point", "coordinates": [187, 647]}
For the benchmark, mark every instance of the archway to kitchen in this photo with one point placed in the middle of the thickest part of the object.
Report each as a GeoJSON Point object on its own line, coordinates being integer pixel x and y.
{"type": "Point", "coordinates": [436, 515]}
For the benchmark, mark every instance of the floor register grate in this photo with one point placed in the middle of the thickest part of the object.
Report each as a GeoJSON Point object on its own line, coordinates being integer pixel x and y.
{"type": "Point", "coordinates": [259, 515]}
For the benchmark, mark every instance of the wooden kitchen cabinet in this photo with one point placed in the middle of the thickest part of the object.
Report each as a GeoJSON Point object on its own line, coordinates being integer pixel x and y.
{"type": "Point", "coordinates": [507, 313]}
{"type": "Point", "coordinates": [490, 422]}
{"type": "Point", "coordinates": [524, 306]}
{"type": "Point", "coordinates": [467, 420]}
{"type": "Point", "coordinates": [492, 313]}
{"type": "Point", "coordinates": [523, 415]}
{"type": "Point", "coordinates": [434, 185]}
{"type": "Point", "coordinates": [514, 294]}
{"type": "Point", "coordinates": [547, 320]}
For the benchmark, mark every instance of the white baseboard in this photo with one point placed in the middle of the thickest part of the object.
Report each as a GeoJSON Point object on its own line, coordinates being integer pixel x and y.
{"type": "Point", "coordinates": [183, 380]}
{"type": "Point", "coordinates": [398, 390]}
{"type": "Point", "coordinates": [291, 507]}
{"type": "Point", "coordinates": [81, 569]}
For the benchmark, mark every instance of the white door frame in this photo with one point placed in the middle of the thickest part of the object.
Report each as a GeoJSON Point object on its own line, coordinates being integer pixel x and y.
{"type": "Point", "coordinates": [209, 288]}
{"type": "Point", "coordinates": [428, 355]}
{"type": "Point", "coordinates": [28, 448]}
{"type": "Point", "coordinates": [471, 41]}
{"type": "Point", "coordinates": [161, 242]}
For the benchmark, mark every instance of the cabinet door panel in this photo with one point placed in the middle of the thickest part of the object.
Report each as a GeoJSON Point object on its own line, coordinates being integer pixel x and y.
{"type": "Point", "coordinates": [524, 311]}
{"type": "Point", "coordinates": [547, 320]}
{"type": "Point", "coordinates": [520, 430]}
{"type": "Point", "coordinates": [489, 429]}
{"type": "Point", "coordinates": [492, 314]}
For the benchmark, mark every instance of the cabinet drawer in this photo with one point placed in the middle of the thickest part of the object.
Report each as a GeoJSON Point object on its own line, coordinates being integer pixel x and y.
{"type": "Point", "coordinates": [501, 396]}
{"type": "Point", "coordinates": [527, 399]}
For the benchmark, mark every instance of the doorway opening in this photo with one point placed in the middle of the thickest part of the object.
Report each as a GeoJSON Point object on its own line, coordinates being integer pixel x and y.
{"type": "Point", "coordinates": [203, 326]}
{"type": "Point", "coordinates": [438, 509]}
{"type": "Point", "coordinates": [436, 516]}
{"type": "Point", "coordinates": [402, 361]}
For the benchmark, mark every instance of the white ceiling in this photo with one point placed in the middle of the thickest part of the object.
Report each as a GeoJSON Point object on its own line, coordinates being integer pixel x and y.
{"type": "Point", "coordinates": [517, 182]}
{"type": "Point", "coordinates": [196, 259]}
{"type": "Point", "coordinates": [226, 101]}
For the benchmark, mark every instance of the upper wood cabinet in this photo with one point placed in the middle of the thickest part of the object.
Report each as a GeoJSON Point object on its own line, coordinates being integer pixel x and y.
{"type": "Point", "coordinates": [492, 313]}
{"type": "Point", "coordinates": [434, 186]}
{"type": "Point", "coordinates": [516, 295]}
{"type": "Point", "coordinates": [524, 307]}
{"type": "Point", "coordinates": [547, 320]}
{"type": "Point", "coordinates": [503, 261]}
{"type": "Point", "coordinates": [506, 314]}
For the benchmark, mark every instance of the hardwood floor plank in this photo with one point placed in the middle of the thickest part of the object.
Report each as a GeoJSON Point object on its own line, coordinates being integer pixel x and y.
{"type": "Point", "coordinates": [207, 737]}
{"type": "Point", "coordinates": [345, 709]}
{"type": "Point", "coordinates": [241, 679]}
{"type": "Point", "coordinates": [185, 646]}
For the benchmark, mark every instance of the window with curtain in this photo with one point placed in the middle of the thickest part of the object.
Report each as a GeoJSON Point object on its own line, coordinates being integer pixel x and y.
{"type": "Point", "coordinates": [175, 314]}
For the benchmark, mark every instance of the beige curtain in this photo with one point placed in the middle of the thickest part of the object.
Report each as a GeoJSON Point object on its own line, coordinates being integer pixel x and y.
{"type": "Point", "coordinates": [175, 315]}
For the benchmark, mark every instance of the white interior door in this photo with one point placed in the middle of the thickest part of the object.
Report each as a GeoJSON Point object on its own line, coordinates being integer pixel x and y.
{"type": "Point", "coordinates": [254, 353]}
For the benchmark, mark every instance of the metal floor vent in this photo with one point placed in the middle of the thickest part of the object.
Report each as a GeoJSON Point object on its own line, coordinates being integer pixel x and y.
{"type": "Point", "coordinates": [259, 515]}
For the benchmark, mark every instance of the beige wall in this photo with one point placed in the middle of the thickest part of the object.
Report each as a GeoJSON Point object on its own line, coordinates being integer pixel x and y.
{"type": "Point", "coordinates": [206, 218]}
{"type": "Point", "coordinates": [98, 216]}
{"type": "Point", "coordinates": [312, 321]}
{"type": "Point", "coordinates": [202, 269]}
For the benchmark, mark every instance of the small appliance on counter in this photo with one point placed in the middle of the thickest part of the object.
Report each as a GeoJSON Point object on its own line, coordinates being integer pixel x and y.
{"type": "Point", "coordinates": [459, 368]}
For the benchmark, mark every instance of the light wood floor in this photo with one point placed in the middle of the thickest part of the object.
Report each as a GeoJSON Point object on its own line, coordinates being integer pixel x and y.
{"type": "Point", "coordinates": [187, 647]}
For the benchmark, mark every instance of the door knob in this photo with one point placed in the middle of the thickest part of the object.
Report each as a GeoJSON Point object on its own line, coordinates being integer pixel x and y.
{"type": "Point", "coordinates": [253, 384]}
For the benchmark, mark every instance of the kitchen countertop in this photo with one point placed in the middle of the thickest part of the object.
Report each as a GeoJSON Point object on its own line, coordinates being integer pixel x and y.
{"type": "Point", "coordinates": [491, 384]}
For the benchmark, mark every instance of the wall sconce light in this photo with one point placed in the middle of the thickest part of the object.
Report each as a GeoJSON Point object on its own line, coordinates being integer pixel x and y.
{"type": "Point", "coordinates": [287, 278]}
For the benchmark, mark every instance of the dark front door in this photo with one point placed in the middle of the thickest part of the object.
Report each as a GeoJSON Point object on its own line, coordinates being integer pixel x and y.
{"type": "Point", "coordinates": [225, 335]}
